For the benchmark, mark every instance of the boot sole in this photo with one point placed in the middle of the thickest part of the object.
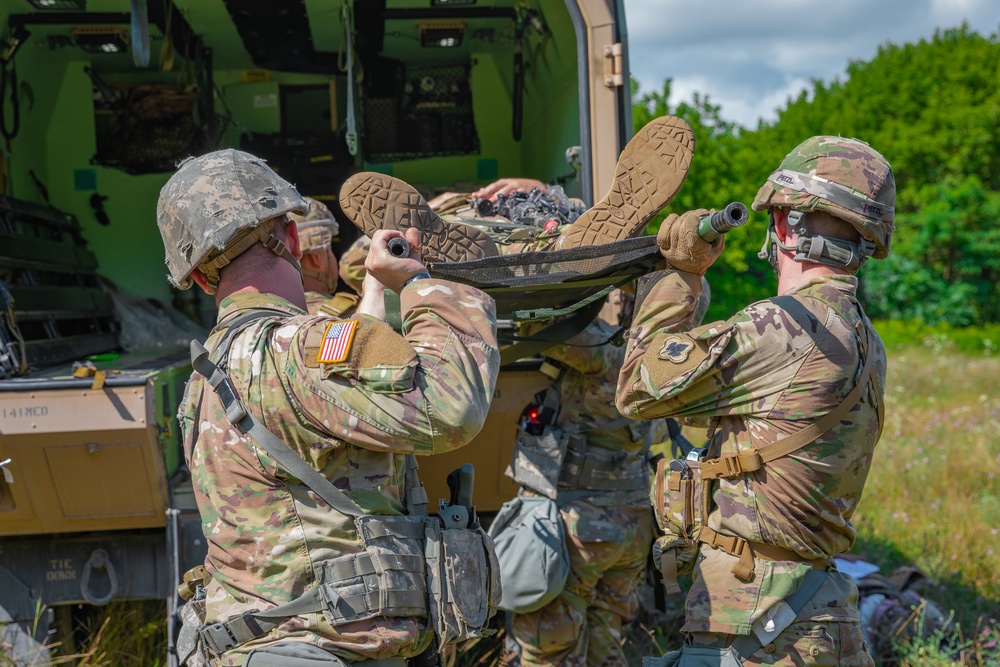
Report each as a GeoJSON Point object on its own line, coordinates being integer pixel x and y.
{"type": "Point", "coordinates": [376, 201]}
{"type": "Point", "coordinates": [650, 171]}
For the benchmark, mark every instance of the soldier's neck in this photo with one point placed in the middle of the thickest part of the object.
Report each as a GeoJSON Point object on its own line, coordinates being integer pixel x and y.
{"type": "Point", "coordinates": [284, 283]}
{"type": "Point", "coordinates": [792, 273]}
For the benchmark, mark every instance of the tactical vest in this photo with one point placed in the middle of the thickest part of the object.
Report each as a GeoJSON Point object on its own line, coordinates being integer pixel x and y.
{"type": "Point", "coordinates": [442, 568]}
{"type": "Point", "coordinates": [560, 459]}
{"type": "Point", "coordinates": [683, 490]}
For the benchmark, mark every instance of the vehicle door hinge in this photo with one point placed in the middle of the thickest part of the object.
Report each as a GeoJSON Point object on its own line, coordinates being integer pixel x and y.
{"type": "Point", "coordinates": [613, 75]}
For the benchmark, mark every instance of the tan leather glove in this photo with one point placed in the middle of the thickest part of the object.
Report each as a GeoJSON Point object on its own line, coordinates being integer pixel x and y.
{"type": "Point", "coordinates": [682, 247]}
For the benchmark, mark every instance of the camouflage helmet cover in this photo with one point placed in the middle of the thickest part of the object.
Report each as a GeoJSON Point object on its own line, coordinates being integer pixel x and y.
{"type": "Point", "coordinates": [844, 177]}
{"type": "Point", "coordinates": [212, 201]}
{"type": "Point", "coordinates": [316, 226]}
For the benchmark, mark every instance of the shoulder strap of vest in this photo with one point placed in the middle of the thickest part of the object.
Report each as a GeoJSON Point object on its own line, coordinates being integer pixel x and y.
{"type": "Point", "coordinates": [754, 459]}
{"type": "Point", "coordinates": [239, 417]}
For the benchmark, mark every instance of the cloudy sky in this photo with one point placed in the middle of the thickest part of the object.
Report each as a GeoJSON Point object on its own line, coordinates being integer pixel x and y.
{"type": "Point", "coordinates": [750, 56]}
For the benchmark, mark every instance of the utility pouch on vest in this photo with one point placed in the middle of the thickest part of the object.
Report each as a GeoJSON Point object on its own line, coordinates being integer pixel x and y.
{"type": "Point", "coordinates": [463, 578]}
{"type": "Point", "coordinates": [538, 460]}
{"type": "Point", "coordinates": [596, 469]}
{"type": "Point", "coordinates": [680, 500]}
{"type": "Point", "coordinates": [296, 654]}
{"type": "Point", "coordinates": [387, 579]}
{"type": "Point", "coordinates": [531, 546]}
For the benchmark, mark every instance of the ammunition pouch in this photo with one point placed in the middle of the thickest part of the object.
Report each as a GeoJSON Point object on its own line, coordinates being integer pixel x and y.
{"type": "Point", "coordinates": [680, 502]}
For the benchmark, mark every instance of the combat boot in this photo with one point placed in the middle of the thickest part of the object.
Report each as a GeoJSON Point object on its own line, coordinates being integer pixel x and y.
{"type": "Point", "coordinates": [376, 201]}
{"type": "Point", "coordinates": [650, 171]}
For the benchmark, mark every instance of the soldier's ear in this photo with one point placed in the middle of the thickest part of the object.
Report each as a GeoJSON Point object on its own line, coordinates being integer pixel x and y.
{"type": "Point", "coordinates": [781, 223]}
{"type": "Point", "coordinates": [292, 240]}
{"type": "Point", "coordinates": [310, 260]}
{"type": "Point", "coordinates": [199, 278]}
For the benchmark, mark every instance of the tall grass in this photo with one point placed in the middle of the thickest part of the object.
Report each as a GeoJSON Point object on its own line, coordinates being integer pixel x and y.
{"type": "Point", "coordinates": [933, 494]}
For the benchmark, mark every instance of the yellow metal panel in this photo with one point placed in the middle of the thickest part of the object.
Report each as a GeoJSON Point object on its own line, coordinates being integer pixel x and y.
{"type": "Point", "coordinates": [73, 410]}
{"type": "Point", "coordinates": [81, 460]}
{"type": "Point", "coordinates": [101, 480]}
{"type": "Point", "coordinates": [492, 449]}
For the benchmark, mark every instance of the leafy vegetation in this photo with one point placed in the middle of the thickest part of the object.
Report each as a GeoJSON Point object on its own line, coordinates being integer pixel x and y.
{"type": "Point", "coordinates": [932, 109]}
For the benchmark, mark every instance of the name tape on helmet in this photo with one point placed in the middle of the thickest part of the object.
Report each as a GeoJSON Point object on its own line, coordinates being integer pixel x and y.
{"type": "Point", "coordinates": [849, 198]}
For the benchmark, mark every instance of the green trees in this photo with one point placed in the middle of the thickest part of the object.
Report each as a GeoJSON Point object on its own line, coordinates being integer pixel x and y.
{"type": "Point", "coordinates": [933, 110]}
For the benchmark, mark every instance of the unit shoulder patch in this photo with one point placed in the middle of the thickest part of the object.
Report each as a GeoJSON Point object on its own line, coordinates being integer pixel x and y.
{"type": "Point", "coordinates": [676, 349]}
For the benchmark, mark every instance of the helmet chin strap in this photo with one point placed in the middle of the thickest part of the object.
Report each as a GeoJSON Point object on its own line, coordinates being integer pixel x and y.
{"type": "Point", "coordinates": [815, 248]}
{"type": "Point", "coordinates": [263, 234]}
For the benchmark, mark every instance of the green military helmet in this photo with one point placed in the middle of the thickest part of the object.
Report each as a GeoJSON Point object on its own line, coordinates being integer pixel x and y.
{"type": "Point", "coordinates": [217, 206]}
{"type": "Point", "coordinates": [316, 226]}
{"type": "Point", "coordinates": [846, 178]}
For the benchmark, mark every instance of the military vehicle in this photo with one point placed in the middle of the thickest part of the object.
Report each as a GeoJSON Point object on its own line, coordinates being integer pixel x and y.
{"type": "Point", "coordinates": [101, 98]}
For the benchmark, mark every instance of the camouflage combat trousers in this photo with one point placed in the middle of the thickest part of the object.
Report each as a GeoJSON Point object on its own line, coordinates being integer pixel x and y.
{"type": "Point", "coordinates": [805, 644]}
{"type": "Point", "coordinates": [608, 548]}
{"type": "Point", "coordinates": [826, 632]}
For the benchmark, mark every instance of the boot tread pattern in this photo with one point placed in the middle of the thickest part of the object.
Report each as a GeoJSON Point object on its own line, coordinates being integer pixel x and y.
{"type": "Point", "coordinates": [650, 171]}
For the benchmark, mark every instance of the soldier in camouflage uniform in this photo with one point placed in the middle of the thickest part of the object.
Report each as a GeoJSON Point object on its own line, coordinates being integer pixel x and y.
{"type": "Point", "coordinates": [352, 263]}
{"type": "Point", "coordinates": [608, 531]}
{"type": "Point", "coordinates": [775, 368]}
{"type": "Point", "coordinates": [317, 228]}
{"type": "Point", "coordinates": [351, 410]}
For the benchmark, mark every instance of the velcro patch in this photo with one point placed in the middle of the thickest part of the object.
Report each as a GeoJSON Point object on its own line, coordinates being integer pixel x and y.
{"type": "Point", "coordinates": [676, 349]}
{"type": "Point", "coordinates": [336, 342]}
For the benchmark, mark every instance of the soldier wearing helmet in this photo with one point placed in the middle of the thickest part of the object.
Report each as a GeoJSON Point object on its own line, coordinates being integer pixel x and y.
{"type": "Point", "coordinates": [317, 228]}
{"type": "Point", "coordinates": [288, 572]}
{"type": "Point", "coordinates": [793, 388]}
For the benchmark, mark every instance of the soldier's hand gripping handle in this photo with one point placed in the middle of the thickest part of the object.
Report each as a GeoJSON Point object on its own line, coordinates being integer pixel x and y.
{"type": "Point", "coordinates": [682, 245]}
{"type": "Point", "coordinates": [389, 268]}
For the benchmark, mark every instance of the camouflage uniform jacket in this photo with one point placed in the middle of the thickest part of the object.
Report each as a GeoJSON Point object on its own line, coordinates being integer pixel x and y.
{"type": "Point", "coordinates": [424, 392]}
{"type": "Point", "coordinates": [352, 263]}
{"type": "Point", "coordinates": [766, 373]}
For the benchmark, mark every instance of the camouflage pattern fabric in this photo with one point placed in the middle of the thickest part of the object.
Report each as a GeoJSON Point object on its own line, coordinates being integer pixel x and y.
{"type": "Point", "coordinates": [316, 300]}
{"type": "Point", "coordinates": [608, 546]}
{"type": "Point", "coordinates": [772, 369]}
{"type": "Point", "coordinates": [232, 192]}
{"type": "Point", "coordinates": [845, 177]}
{"type": "Point", "coordinates": [423, 392]}
{"type": "Point", "coordinates": [352, 263]}
{"type": "Point", "coordinates": [317, 226]}
{"type": "Point", "coordinates": [608, 533]}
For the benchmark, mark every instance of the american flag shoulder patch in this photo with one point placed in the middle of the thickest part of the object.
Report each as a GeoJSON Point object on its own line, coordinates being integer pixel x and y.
{"type": "Point", "coordinates": [336, 342]}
